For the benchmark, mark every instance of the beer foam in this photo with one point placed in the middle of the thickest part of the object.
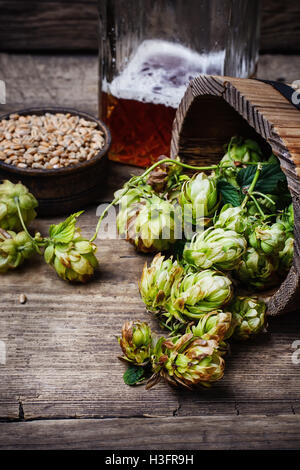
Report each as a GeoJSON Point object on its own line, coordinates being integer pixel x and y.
{"type": "Point", "coordinates": [159, 72]}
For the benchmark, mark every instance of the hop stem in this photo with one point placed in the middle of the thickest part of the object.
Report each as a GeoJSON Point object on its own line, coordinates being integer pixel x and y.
{"type": "Point", "coordinates": [24, 226]}
{"type": "Point", "coordinates": [252, 185]}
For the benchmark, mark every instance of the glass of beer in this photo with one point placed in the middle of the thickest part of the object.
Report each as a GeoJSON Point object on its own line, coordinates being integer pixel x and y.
{"type": "Point", "coordinates": [151, 49]}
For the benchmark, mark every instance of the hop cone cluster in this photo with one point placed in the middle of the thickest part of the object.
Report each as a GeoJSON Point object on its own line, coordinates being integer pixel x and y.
{"type": "Point", "coordinates": [9, 192]}
{"type": "Point", "coordinates": [15, 248]}
{"type": "Point", "coordinates": [72, 256]}
{"type": "Point", "coordinates": [135, 342]}
{"type": "Point", "coordinates": [218, 248]}
{"type": "Point", "coordinates": [187, 361]}
{"type": "Point", "coordinates": [249, 317]}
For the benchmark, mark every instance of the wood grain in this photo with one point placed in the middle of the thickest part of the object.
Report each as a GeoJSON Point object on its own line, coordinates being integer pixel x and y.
{"type": "Point", "coordinates": [192, 433]}
{"type": "Point", "coordinates": [67, 25]}
{"type": "Point", "coordinates": [61, 345]}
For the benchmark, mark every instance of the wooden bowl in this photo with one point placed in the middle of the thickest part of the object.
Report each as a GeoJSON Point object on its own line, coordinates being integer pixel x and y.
{"type": "Point", "coordinates": [63, 190]}
{"type": "Point", "coordinates": [214, 109]}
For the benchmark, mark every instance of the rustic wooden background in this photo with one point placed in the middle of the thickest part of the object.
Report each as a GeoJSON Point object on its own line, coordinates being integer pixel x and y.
{"type": "Point", "coordinates": [62, 387]}
{"type": "Point", "coordinates": [71, 25]}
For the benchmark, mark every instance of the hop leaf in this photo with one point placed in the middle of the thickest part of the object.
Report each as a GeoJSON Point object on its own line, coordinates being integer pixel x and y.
{"type": "Point", "coordinates": [64, 232]}
{"type": "Point", "coordinates": [133, 375]}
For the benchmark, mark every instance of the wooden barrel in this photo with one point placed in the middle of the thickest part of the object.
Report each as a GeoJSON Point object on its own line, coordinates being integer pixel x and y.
{"type": "Point", "coordinates": [214, 109]}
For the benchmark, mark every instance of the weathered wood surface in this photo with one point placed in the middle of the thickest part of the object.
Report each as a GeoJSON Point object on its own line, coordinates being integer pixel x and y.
{"type": "Point", "coordinates": [61, 346]}
{"type": "Point", "coordinates": [67, 25]}
{"type": "Point", "coordinates": [196, 433]}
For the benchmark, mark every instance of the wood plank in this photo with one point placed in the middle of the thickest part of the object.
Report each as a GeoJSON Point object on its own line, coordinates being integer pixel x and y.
{"type": "Point", "coordinates": [184, 433]}
{"type": "Point", "coordinates": [67, 25]}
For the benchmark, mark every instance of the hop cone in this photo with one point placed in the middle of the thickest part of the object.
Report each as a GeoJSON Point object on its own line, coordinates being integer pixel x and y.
{"type": "Point", "coordinates": [270, 240]}
{"type": "Point", "coordinates": [198, 293]}
{"type": "Point", "coordinates": [257, 270]}
{"type": "Point", "coordinates": [232, 218]}
{"type": "Point", "coordinates": [287, 221]}
{"type": "Point", "coordinates": [243, 151]}
{"type": "Point", "coordinates": [150, 224]}
{"type": "Point", "coordinates": [187, 361]}
{"type": "Point", "coordinates": [9, 219]}
{"type": "Point", "coordinates": [286, 256]}
{"type": "Point", "coordinates": [239, 151]}
{"type": "Point", "coordinates": [217, 248]}
{"type": "Point", "coordinates": [136, 342]}
{"type": "Point", "coordinates": [164, 176]}
{"type": "Point", "coordinates": [128, 202]}
{"type": "Point", "coordinates": [72, 256]}
{"type": "Point", "coordinates": [249, 316]}
{"type": "Point", "coordinates": [214, 325]}
{"type": "Point", "coordinates": [199, 199]}
{"type": "Point", "coordinates": [15, 248]}
{"type": "Point", "coordinates": [157, 280]}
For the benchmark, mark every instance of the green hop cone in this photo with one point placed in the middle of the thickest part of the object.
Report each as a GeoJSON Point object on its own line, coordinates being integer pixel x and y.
{"type": "Point", "coordinates": [214, 325]}
{"type": "Point", "coordinates": [242, 151]}
{"type": "Point", "coordinates": [257, 270]}
{"type": "Point", "coordinates": [218, 248]}
{"type": "Point", "coordinates": [232, 218]}
{"type": "Point", "coordinates": [188, 361]}
{"type": "Point", "coordinates": [9, 219]}
{"type": "Point", "coordinates": [269, 239]}
{"type": "Point", "coordinates": [136, 342]}
{"type": "Point", "coordinates": [286, 219]}
{"type": "Point", "coordinates": [239, 151]}
{"type": "Point", "coordinates": [72, 256]}
{"type": "Point", "coordinates": [15, 248]}
{"type": "Point", "coordinates": [286, 256]}
{"type": "Point", "coordinates": [199, 199]}
{"type": "Point", "coordinates": [128, 202]}
{"type": "Point", "coordinates": [157, 280]}
{"type": "Point", "coordinates": [198, 293]}
{"type": "Point", "coordinates": [249, 316]}
{"type": "Point", "coordinates": [151, 224]}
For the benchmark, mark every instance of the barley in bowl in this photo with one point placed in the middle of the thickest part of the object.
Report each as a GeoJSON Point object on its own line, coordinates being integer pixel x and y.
{"type": "Point", "coordinates": [49, 141]}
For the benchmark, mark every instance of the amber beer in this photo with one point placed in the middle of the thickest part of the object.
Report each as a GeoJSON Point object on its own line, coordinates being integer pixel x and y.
{"type": "Point", "coordinates": [139, 105]}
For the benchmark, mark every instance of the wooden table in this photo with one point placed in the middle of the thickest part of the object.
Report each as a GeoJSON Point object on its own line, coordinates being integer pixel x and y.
{"type": "Point", "coordinates": [61, 385]}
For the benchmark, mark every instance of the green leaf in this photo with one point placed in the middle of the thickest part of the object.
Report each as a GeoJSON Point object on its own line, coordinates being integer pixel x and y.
{"type": "Point", "coordinates": [270, 178]}
{"type": "Point", "coordinates": [230, 194]}
{"type": "Point", "coordinates": [64, 232]}
{"type": "Point", "coordinates": [133, 375]}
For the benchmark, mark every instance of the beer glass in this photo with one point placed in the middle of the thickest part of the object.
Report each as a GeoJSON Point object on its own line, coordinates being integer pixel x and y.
{"type": "Point", "coordinates": [150, 49]}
